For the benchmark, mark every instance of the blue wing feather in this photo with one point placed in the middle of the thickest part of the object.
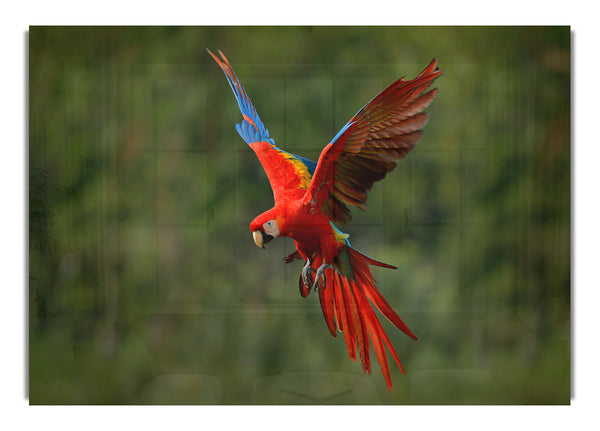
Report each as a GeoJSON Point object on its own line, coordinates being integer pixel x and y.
{"type": "Point", "coordinates": [251, 128]}
{"type": "Point", "coordinates": [310, 165]}
{"type": "Point", "coordinates": [251, 118]}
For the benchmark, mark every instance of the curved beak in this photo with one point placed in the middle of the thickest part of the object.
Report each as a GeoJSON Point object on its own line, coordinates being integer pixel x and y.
{"type": "Point", "coordinates": [261, 238]}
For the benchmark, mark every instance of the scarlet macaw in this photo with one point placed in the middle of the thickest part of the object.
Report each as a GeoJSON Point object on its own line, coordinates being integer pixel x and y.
{"type": "Point", "coordinates": [311, 198]}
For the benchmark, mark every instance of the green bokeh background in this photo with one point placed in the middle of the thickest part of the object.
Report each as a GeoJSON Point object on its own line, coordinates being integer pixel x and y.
{"type": "Point", "coordinates": [145, 285]}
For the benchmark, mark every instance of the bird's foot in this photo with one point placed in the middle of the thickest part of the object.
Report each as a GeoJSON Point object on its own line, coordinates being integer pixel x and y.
{"type": "Point", "coordinates": [320, 273]}
{"type": "Point", "coordinates": [306, 273]}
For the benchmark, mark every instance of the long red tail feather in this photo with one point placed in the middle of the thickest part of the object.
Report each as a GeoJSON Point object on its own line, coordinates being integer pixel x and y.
{"type": "Point", "coordinates": [347, 305]}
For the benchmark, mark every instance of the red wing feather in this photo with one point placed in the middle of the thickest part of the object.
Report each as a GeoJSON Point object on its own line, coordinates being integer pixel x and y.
{"type": "Point", "coordinates": [288, 174]}
{"type": "Point", "coordinates": [368, 147]}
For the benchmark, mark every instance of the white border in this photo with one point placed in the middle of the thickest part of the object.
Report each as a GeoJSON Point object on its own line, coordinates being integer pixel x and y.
{"type": "Point", "coordinates": [581, 15]}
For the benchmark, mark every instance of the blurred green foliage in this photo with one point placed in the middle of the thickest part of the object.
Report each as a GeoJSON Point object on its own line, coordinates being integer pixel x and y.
{"type": "Point", "coordinates": [145, 285]}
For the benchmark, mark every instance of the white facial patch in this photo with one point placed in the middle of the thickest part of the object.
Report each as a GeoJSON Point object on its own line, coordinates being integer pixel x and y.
{"type": "Point", "coordinates": [271, 228]}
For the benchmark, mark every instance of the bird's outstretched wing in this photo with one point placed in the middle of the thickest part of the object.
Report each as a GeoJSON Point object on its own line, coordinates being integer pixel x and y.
{"type": "Point", "coordinates": [369, 145]}
{"type": "Point", "coordinates": [289, 175]}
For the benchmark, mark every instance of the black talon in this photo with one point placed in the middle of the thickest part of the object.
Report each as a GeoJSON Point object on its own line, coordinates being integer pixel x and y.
{"type": "Point", "coordinates": [320, 273]}
{"type": "Point", "coordinates": [306, 274]}
{"type": "Point", "coordinates": [323, 282]}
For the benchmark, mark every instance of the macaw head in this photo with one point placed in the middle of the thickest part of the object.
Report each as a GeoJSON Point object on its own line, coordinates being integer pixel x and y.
{"type": "Point", "coordinates": [265, 228]}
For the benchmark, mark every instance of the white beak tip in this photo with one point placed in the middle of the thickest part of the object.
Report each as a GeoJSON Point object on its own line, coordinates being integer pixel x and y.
{"type": "Point", "coordinates": [258, 239]}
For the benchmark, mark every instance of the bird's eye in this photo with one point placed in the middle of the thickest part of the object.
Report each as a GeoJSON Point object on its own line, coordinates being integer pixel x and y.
{"type": "Point", "coordinates": [270, 227]}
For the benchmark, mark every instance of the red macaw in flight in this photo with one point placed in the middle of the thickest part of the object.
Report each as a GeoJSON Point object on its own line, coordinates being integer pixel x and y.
{"type": "Point", "coordinates": [311, 198]}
